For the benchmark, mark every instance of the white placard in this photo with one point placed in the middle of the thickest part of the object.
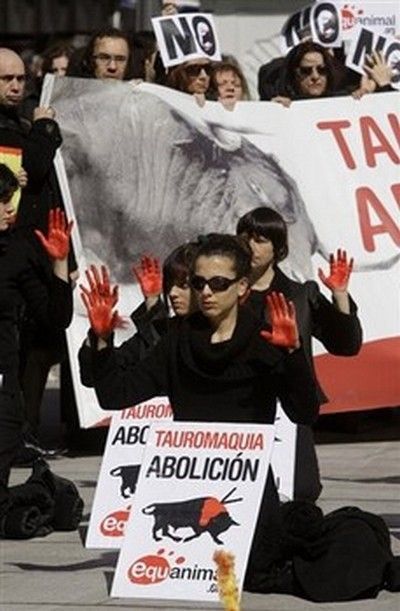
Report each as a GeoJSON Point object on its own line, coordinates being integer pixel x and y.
{"type": "Point", "coordinates": [186, 36]}
{"type": "Point", "coordinates": [119, 471]}
{"type": "Point", "coordinates": [382, 16]}
{"type": "Point", "coordinates": [366, 41]}
{"type": "Point", "coordinates": [283, 459]}
{"type": "Point", "coordinates": [199, 490]}
{"type": "Point", "coordinates": [319, 21]}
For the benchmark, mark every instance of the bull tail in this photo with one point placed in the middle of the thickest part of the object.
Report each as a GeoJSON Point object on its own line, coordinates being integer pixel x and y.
{"type": "Point", "coordinates": [226, 500]}
{"type": "Point", "coordinates": [149, 510]}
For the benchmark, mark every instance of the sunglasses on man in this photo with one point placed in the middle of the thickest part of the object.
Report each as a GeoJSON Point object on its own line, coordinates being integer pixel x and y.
{"type": "Point", "coordinates": [195, 69]}
{"type": "Point", "coordinates": [216, 284]}
{"type": "Point", "coordinates": [305, 71]}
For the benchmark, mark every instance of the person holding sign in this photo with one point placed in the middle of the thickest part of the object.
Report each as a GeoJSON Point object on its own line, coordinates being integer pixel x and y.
{"type": "Point", "coordinates": [192, 76]}
{"type": "Point", "coordinates": [335, 324]}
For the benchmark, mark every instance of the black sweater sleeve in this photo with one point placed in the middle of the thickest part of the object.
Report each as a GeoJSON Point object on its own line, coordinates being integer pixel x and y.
{"type": "Point", "coordinates": [49, 303]}
{"type": "Point", "coordinates": [127, 354]}
{"type": "Point", "coordinates": [297, 389]}
{"type": "Point", "coordinates": [339, 333]}
{"type": "Point", "coordinates": [39, 150]}
{"type": "Point", "coordinates": [120, 387]}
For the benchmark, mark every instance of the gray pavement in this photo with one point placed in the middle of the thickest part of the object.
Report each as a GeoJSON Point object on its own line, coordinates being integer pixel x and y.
{"type": "Point", "coordinates": [58, 573]}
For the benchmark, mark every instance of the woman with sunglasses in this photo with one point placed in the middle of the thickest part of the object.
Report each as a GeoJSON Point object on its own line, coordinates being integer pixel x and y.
{"type": "Point", "coordinates": [308, 72]}
{"type": "Point", "coordinates": [216, 365]}
{"type": "Point", "coordinates": [335, 324]}
{"type": "Point", "coordinates": [192, 76]}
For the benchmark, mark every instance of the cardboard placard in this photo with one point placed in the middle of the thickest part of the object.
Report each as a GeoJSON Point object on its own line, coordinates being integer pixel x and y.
{"type": "Point", "coordinates": [365, 42]}
{"type": "Point", "coordinates": [320, 21]}
{"type": "Point", "coordinates": [381, 16]}
{"type": "Point", "coordinates": [186, 36]}
{"type": "Point", "coordinates": [199, 490]}
{"type": "Point", "coordinates": [283, 457]}
{"type": "Point", "coordinates": [119, 471]}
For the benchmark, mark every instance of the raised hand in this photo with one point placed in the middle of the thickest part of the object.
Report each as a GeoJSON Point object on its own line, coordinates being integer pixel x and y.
{"type": "Point", "coordinates": [99, 301]}
{"type": "Point", "coordinates": [282, 315]}
{"type": "Point", "coordinates": [377, 69]}
{"type": "Point", "coordinates": [339, 272]}
{"type": "Point", "coordinates": [148, 274]}
{"type": "Point", "coordinates": [59, 231]}
{"type": "Point", "coordinates": [99, 283]}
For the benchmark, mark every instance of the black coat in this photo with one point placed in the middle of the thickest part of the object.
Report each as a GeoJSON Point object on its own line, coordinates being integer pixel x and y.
{"type": "Point", "coordinates": [234, 381]}
{"type": "Point", "coordinates": [39, 143]}
{"type": "Point", "coordinates": [23, 283]}
{"type": "Point", "coordinates": [339, 333]}
{"type": "Point", "coordinates": [150, 324]}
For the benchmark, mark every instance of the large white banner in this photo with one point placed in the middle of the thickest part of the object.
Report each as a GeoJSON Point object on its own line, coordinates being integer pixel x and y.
{"type": "Point", "coordinates": [144, 169]}
{"type": "Point", "coordinates": [199, 490]}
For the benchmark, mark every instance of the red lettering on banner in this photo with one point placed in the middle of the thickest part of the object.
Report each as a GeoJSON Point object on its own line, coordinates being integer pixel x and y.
{"type": "Point", "coordinates": [370, 130]}
{"type": "Point", "coordinates": [337, 127]}
{"type": "Point", "coordinates": [395, 125]}
{"type": "Point", "coordinates": [375, 142]}
{"type": "Point", "coordinates": [367, 201]}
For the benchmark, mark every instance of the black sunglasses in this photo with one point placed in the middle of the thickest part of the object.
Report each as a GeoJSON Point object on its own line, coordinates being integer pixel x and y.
{"type": "Point", "coordinates": [307, 70]}
{"type": "Point", "coordinates": [216, 284]}
{"type": "Point", "coordinates": [195, 69]}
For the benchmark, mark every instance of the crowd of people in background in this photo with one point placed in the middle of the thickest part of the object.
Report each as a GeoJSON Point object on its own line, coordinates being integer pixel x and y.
{"type": "Point", "coordinates": [240, 337]}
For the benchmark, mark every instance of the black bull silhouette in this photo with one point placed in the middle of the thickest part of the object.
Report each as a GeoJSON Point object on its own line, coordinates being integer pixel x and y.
{"type": "Point", "coordinates": [129, 475]}
{"type": "Point", "coordinates": [203, 514]}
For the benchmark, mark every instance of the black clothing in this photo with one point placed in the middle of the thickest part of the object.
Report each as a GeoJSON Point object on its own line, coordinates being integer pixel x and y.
{"type": "Point", "coordinates": [22, 285]}
{"type": "Point", "coordinates": [340, 334]}
{"type": "Point", "coordinates": [342, 556]}
{"type": "Point", "coordinates": [150, 324]}
{"type": "Point", "coordinates": [242, 376]}
{"type": "Point", "coordinates": [233, 381]}
{"type": "Point", "coordinates": [39, 143]}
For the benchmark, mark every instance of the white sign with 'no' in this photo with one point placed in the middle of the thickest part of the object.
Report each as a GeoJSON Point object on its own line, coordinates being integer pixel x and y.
{"type": "Point", "coordinates": [184, 37]}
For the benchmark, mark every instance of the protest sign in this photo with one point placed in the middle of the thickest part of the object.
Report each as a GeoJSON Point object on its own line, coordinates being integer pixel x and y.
{"type": "Point", "coordinates": [187, 36]}
{"type": "Point", "coordinates": [283, 457]}
{"type": "Point", "coordinates": [199, 490]}
{"type": "Point", "coordinates": [382, 17]}
{"type": "Point", "coordinates": [320, 21]}
{"type": "Point", "coordinates": [120, 467]}
{"type": "Point", "coordinates": [136, 161]}
{"type": "Point", "coordinates": [365, 42]}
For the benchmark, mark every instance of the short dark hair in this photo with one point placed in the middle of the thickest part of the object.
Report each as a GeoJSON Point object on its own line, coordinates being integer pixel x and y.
{"type": "Point", "coordinates": [8, 183]}
{"type": "Point", "coordinates": [225, 245]}
{"type": "Point", "coordinates": [269, 224]}
{"type": "Point", "coordinates": [86, 67]}
{"type": "Point", "coordinates": [176, 267]}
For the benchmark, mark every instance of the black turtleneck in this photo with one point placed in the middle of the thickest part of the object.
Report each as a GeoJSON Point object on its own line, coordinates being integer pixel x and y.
{"type": "Point", "coordinates": [234, 381]}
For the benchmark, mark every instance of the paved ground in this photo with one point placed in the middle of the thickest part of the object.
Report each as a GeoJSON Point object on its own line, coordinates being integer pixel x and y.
{"type": "Point", "coordinates": [58, 573]}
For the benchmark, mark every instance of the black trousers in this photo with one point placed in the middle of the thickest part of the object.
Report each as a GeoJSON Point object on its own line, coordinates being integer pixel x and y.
{"type": "Point", "coordinates": [11, 421]}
